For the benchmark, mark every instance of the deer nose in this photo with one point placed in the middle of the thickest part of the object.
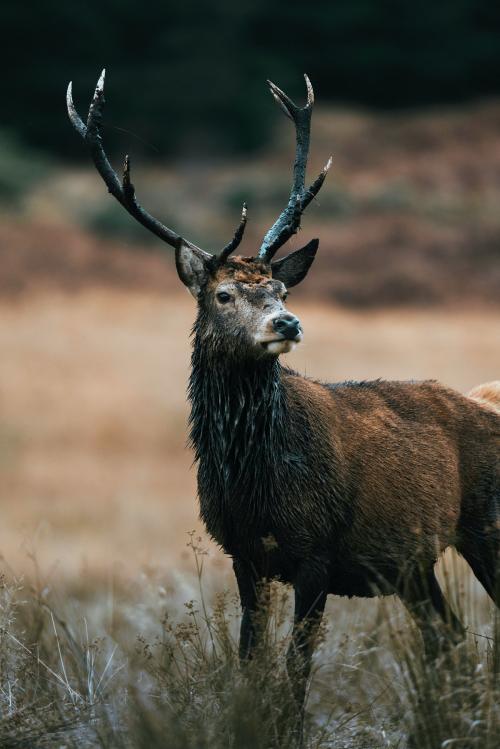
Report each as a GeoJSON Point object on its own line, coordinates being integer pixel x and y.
{"type": "Point", "coordinates": [287, 325]}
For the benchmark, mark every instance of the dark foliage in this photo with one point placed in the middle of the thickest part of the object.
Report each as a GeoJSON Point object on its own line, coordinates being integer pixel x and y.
{"type": "Point", "coordinates": [191, 75]}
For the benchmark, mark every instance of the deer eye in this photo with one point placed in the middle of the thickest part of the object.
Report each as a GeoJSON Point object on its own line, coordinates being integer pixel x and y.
{"type": "Point", "coordinates": [223, 297]}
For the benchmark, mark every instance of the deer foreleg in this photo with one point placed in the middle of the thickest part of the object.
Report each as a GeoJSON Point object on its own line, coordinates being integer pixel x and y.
{"type": "Point", "coordinates": [311, 587]}
{"type": "Point", "coordinates": [253, 596]}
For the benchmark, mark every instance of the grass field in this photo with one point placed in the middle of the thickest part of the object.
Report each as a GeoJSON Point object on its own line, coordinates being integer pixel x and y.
{"type": "Point", "coordinates": [98, 495]}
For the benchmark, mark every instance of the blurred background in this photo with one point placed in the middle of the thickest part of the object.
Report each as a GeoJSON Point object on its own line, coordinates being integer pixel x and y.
{"type": "Point", "coordinates": [94, 325]}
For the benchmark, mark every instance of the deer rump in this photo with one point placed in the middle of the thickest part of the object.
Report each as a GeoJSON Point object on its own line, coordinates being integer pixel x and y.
{"type": "Point", "coordinates": [487, 394]}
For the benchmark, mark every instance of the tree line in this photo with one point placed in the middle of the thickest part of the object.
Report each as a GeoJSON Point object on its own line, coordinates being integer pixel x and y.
{"type": "Point", "coordinates": [189, 76]}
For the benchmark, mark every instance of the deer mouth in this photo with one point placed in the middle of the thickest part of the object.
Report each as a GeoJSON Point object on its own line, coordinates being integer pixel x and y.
{"type": "Point", "coordinates": [280, 345]}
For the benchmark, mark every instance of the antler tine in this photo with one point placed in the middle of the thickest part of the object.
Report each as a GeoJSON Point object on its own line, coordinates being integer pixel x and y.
{"type": "Point", "coordinates": [122, 190]}
{"type": "Point", "coordinates": [236, 240]}
{"type": "Point", "coordinates": [316, 186]}
{"type": "Point", "coordinates": [75, 118]}
{"type": "Point", "coordinates": [288, 222]}
{"type": "Point", "coordinates": [310, 91]}
{"type": "Point", "coordinates": [284, 101]}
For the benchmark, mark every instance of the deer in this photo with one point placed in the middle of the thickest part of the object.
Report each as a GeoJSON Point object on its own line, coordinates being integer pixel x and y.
{"type": "Point", "coordinates": [349, 488]}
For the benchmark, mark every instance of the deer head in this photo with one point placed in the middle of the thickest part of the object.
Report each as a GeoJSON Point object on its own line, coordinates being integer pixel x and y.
{"type": "Point", "coordinates": [241, 299]}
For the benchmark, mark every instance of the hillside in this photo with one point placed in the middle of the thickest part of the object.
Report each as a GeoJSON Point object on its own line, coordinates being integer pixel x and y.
{"type": "Point", "coordinates": [409, 214]}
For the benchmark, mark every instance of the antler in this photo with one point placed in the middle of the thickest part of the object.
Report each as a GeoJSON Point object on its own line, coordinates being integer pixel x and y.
{"type": "Point", "coordinates": [288, 222]}
{"type": "Point", "coordinates": [123, 190]}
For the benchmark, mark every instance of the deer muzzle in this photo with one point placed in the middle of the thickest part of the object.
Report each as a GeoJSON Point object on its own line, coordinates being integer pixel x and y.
{"type": "Point", "coordinates": [288, 327]}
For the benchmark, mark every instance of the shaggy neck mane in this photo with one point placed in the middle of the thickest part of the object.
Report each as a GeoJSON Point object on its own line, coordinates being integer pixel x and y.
{"type": "Point", "coordinates": [238, 421]}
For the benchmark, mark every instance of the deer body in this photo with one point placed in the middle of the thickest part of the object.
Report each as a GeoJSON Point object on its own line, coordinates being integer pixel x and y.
{"type": "Point", "coordinates": [367, 478]}
{"type": "Point", "coordinates": [352, 488]}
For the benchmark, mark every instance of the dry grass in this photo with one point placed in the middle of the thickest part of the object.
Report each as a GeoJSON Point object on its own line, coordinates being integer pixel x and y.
{"type": "Point", "coordinates": [134, 668]}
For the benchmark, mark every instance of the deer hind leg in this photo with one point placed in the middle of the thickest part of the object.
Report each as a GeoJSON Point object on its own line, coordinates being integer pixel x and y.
{"type": "Point", "coordinates": [481, 550]}
{"type": "Point", "coordinates": [423, 598]}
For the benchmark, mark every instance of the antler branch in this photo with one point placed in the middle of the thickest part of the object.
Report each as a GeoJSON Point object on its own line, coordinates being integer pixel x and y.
{"type": "Point", "coordinates": [123, 190]}
{"type": "Point", "coordinates": [288, 222]}
{"type": "Point", "coordinates": [236, 240]}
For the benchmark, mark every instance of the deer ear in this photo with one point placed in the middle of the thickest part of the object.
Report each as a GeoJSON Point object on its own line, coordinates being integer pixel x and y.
{"type": "Point", "coordinates": [192, 267]}
{"type": "Point", "coordinates": [292, 268]}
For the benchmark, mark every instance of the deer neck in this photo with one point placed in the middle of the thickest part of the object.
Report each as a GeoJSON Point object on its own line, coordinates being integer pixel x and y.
{"type": "Point", "coordinates": [238, 418]}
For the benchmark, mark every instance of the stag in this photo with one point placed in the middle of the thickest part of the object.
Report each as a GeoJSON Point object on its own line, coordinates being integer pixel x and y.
{"type": "Point", "coordinates": [353, 488]}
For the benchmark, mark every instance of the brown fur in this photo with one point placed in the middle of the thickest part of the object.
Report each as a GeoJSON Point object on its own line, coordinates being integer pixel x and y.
{"type": "Point", "coordinates": [243, 270]}
{"type": "Point", "coordinates": [412, 457]}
